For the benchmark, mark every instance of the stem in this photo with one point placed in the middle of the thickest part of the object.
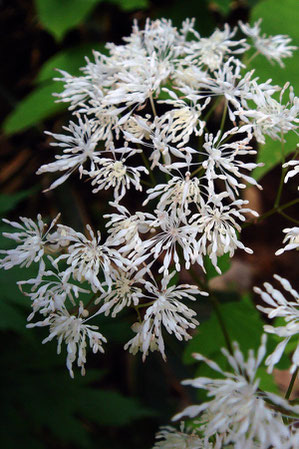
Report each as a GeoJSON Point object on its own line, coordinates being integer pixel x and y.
{"type": "Point", "coordinates": [217, 310]}
{"type": "Point", "coordinates": [212, 109]}
{"type": "Point", "coordinates": [283, 172]}
{"type": "Point", "coordinates": [223, 117]}
{"type": "Point", "coordinates": [252, 57]}
{"type": "Point", "coordinates": [153, 104]}
{"type": "Point", "coordinates": [289, 390]}
{"type": "Point", "coordinates": [271, 212]}
{"type": "Point", "coordinates": [288, 217]}
{"type": "Point", "coordinates": [153, 180]}
{"type": "Point", "coordinates": [216, 305]}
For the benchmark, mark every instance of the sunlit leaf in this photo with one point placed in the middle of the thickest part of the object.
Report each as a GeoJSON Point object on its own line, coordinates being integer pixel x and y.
{"type": "Point", "coordinates": [278, 18]}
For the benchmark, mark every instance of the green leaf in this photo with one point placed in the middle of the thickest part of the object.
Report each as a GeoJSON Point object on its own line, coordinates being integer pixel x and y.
{"type": "Point", "coordinates": [34, 108]}
{"type": "Point", "coordinates": [40, 103]}
{"type": "Point", "coordinates": [131, 5]}
{"type": "Point", "coordinates": [224, 6]}
{"type": "Point", "coordinates": [69, 60]}
{"type": "Point", "coordinates": [278, 18]}
{"type": "Point", "coordinates": [243, 323]}
{"type": "Point", "coordinates": [59, 16]}
{"type": "Point", "coordinates": [223, 263]}
{"type": "Point", "coordinates": [8, 202]}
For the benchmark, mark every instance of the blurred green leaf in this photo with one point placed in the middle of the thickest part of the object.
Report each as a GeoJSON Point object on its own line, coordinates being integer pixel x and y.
{"type": "Point", "coordinates": [223, 263]}
{"type": "Point", "coordinates": [224, 6]}
{"type": "Point", "coordinates": [69, 60]}
{"type": "Point", "coordinates": [59, 16]}
{"type": "Point", "coordinates": [34, 108]}
{"type": "Point", "coordinates": [245, 327]}
{"type": "Point", "coordinates": [8, 202]}
{"type": "Point", "coordinates": [130, 5]}
{"type": "Point", "coordinates": [278, 18]}
{"type": "Point", "coordinates": [40, 103]}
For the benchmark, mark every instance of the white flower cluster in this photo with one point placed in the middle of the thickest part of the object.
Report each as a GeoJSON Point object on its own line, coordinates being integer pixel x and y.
{"type": "Point", "coordinates": [141, 116]}
{"type": "Point", "coordinates": [238, 414]}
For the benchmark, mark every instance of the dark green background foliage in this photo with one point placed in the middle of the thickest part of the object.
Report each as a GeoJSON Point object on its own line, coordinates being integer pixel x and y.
{"type": "Point", "coordinates": [121, 401]}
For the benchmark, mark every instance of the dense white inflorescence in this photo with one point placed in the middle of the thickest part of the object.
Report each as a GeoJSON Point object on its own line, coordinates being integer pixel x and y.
{"type": "Point", "coordinates": [141, 117]}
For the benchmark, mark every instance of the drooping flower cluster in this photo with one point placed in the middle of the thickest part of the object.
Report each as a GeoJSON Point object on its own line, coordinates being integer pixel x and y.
{"type": "Point", "coordinates": [142, 115]}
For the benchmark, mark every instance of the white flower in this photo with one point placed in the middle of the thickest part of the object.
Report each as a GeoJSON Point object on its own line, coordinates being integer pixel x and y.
{"type": "Point", "coordinates": [31, 238]}
{"type": "Point", "coordinates": [218, 226]}
{"type": "Point", "coordinates": [124, 229]}
{"type": "Point", "coordinates": [78, 148]}
{"type": "Point", "coordinates": [171, 438]}
{"type": "Point", "coordinates": [184, 118]}
{"type": "Point", "coordinates": [223, 160]}
{"type": "Point", "coordinates": [174, 232]}
{"type": "Point", "coordinates": [87, 258]}
{"type": "Point", "coordinates": [177, 194]}
{"type": "Point", "coordinates": [74, 332]}
{"type": "Point", "coordinates": [294, 171]}
{"type": "Point", "coordinates": [50, 291]}
{"type": "Point", "coordinates": [237, 409]}
{"type": "Point", "coordinates": [211, 51]}
{"type": "Point", "coordinates": [287, 309]}
{"type": "Point", "coordinates": [273, 47]}
{"type": "Point", "coordinates": [124, 291]}
{"type": "Point", "coordinates": [292, 237]}
{"type": "Point", "coordinates": [116, 174]}
{"type": "Point", "coordinates": [271, 117]}
{"type": "Point", "coordinates": [167, 310]}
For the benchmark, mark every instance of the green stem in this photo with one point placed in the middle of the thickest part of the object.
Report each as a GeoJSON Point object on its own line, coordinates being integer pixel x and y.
{"type": "Point", "coordinates": [271, 212]}
{"type": "Point", "coordinates": [223, 118]}
{"type": "Point", "coordinates": [153, 104]}
{"type": "Point", "coordinates": [289, 390]}
{"type": "Point", "coordinates": [216, 306]}
{"type": "Point", "coordinates": [153, 180]}
{"type": "Point", "coordinates": [288, 217]}
{"type": "Point", "coordinates": [283, 172]}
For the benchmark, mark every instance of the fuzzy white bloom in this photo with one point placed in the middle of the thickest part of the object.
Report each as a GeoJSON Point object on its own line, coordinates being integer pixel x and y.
{"type": "Point", "coordinates": [124, 229]}
{"type": "Point", "coordinates": [291, 238]}
{"type": "Point", "coordinates": [167, 310]}
{"type": "Point", "coordinates": [78, 148]}
{"type": "Point", "coordinates": [271, 117]}
{"type": "Point", "coordinates": [237, 409]}
{"type": "Point", "coordinates": [223, 160]}
{"type": "Point", "coordinates": [73, 331]}
{"type": "Point", "coordinates": [287, 309]}
{"type": "Point", "coordinates": [116, 174]}
{"type": "Point", "coordinates": [175, 235]}
{"type": "Point", "coordinates": [185, 117]}
{"type": "Point", "coordinates": [177, 194]}
{"type": "Point", "coordinates": [31, 239]}
{"type": "Point", "coordinates": [217, 223]}
{"type": "Point", "coordinates": [171, 438]}
{"type": "Point", "coordinates": [50, 290]}
{"type": "Point", "coordinates": [273, 47]}
{"type": "Point", "coordinates": [212, 51]}
{"type": "Point", "coordinates": [124, 291]}
{"type": "Point", "coordinates": [87, 258]}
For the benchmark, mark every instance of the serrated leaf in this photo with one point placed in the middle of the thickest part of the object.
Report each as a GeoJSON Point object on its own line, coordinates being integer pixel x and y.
{"type": "Point", "coordinates": [59, 16]}
{"type": "Point", "coordinates": [278, 18]}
